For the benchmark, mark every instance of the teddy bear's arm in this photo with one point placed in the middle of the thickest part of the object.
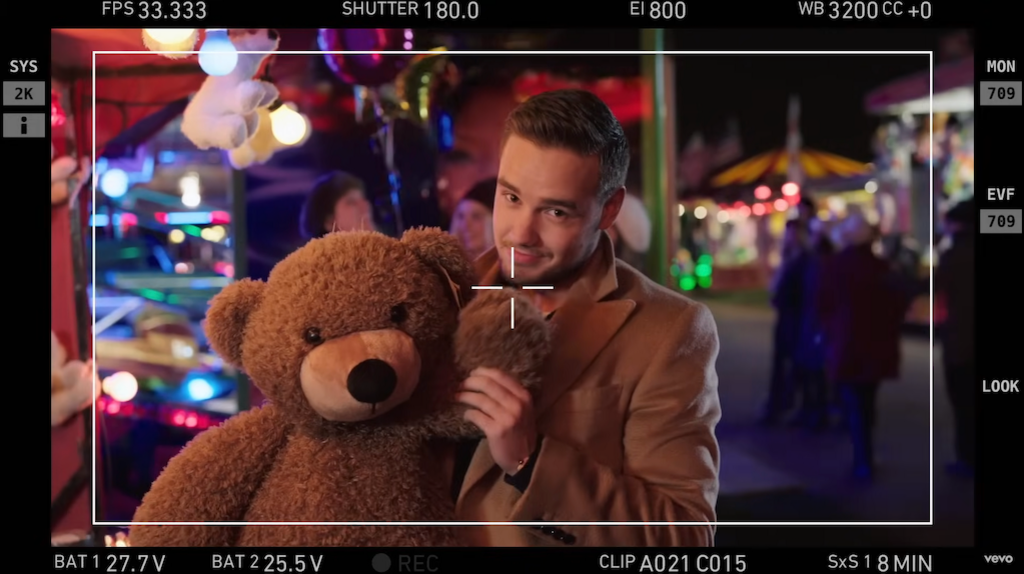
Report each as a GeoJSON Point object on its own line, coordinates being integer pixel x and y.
{"type": "Point", "coordinates": [212, 479]}
{"type": "Point", "coordinates": [485, 338]}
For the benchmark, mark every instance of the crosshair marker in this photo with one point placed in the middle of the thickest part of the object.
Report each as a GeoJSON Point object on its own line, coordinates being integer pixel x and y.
{"type": "Point", "coordinates": [512, 302]}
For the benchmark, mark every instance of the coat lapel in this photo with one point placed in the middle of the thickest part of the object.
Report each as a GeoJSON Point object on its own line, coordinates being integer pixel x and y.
{"type": "Point", "coordinates": [583, 326]}
{"type": "Point", "coordinates": [581, 331]}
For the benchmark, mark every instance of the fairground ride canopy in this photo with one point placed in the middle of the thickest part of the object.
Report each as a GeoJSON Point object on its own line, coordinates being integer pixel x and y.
{"type": "Point", "coordinates": [951, 90]}
{"type": "Point", "coordinates": [772, 165]}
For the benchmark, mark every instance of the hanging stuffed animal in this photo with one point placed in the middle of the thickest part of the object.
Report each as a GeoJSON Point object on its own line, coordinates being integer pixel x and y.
{"type": "Point", "coordinates": [72, 387]}
{"type": "Point", "coordinates": [260, 147]}
{"type": "Point", "coordinates": [61, 170]}
{"type": "Point", "coordinates": [224, 112]}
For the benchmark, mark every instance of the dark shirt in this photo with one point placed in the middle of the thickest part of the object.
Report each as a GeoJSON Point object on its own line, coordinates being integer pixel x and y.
{"type": "Point", "coordinates": [465, 450]}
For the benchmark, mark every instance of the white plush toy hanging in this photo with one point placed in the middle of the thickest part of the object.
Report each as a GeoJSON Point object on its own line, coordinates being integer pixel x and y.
{"type": "Point", "coordinates": [260, 147]}
{"type": "Point", "coordinates": [224, 113]}
{"type": "Point", "coordinates": [71, 384]}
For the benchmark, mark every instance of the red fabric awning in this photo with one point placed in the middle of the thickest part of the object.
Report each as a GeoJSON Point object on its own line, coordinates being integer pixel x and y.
{"type": "Point", "coordinates": [129, 87]}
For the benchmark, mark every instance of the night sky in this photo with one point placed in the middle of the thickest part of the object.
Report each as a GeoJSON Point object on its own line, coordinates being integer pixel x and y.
{"type": "Point", "coordinates": [753, 89]}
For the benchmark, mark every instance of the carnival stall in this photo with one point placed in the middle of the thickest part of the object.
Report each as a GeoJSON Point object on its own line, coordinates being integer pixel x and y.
{"type": "Point", "coordinates": [925, 159]}
{"type": "Point", "coordinates": [928, 124]}
{"type": "Point", "coordinates": [127, 88]}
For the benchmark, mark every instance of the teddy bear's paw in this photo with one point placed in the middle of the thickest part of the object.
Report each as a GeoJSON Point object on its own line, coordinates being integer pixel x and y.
{"type": "Point", "coordinates": [229, 132]}
{"type": "Point", "coordinates": [503, 330]}
{"type": "Point", "coordinates": [270, 94]}
{"type": "Point", "coordinates": [242, 157]}
{"type": "Point", "coordinates": [253, 94]}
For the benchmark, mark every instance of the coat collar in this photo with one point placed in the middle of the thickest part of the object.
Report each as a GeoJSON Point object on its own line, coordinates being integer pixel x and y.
{"type": "Point", "coordinates": [583, 326]}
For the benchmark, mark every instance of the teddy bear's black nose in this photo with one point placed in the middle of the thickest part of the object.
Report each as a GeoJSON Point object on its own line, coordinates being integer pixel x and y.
{"type": "Point", "coordinates": [272, 34]}
{"type": "Point", "coordinates": [372, 381]}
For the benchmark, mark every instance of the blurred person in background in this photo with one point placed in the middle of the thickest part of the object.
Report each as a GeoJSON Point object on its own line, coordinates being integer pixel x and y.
{"type": "Point", "coordinates": [479, 108]}
{"type": "Point", "coordinates": [471, 222]}
{"type": "Point", "coordinates": [861, 307]}
{"type": "Point", "coordinates": [809, 357]}
{"type": "Point", "coordinates": [631, 232]}
{"type": "Point", "coordinates": [806, 212]}
{"type": "Point", "coordinates": [955, 280]}
{"type": "Point", "coordinates": [336, 203]}
{"type": "Point", "coordinates": [786, 297]}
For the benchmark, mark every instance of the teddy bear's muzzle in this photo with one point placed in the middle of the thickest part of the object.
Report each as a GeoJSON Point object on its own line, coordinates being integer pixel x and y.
{"type": "Point", "coordinates": [360, 376]}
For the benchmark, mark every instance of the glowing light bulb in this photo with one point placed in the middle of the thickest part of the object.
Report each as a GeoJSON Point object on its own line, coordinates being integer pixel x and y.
{"type": "Point", "coordinates": [114, 183]}
{"type": "Point", "coordinates": [169, 35]}
{"type": "Point", "coordinates": [121, 386]}
{"type": "Point", "coordinates": [790, 189]}
{"type": "Point", "coordinates": [871, 187]}
{"type": "Point", "coordinates": [763, 192]}
{"type": "Point", "coordinates": [681, 210]}
{"type": "Point", "coordinates": [218, 56]}
{"type": "Point", "coordinates": [700, 212]}
{"type": "Point", "coordinates": [781, 205]}
{"type": "Point", "coordinates": [176, 236]}
{"type": "Point", "coordinates": [191, 200]}
{"type": "Point", "coordinates": [288, 125]}
{"type": "Point", "coordinates": [723, 216]}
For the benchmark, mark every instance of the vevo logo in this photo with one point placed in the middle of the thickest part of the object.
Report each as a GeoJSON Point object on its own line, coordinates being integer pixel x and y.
{"type": "Point", "coordinates": [994, 559]}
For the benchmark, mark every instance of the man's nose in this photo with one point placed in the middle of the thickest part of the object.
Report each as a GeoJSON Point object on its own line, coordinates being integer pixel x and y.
{"type": "Point", "coordinates": [523, 230]}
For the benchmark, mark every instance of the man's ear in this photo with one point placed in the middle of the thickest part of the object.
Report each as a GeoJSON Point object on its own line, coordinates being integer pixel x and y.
{"type": "Point", "coordinates": [228, 316]}
{"type": "Point", "coordinates": [443, 251]}
{"type": "Point", "coordinates": [610, 209]}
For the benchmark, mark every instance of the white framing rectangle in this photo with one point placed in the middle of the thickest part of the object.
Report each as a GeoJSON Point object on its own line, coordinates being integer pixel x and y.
{"type": "Point", "coordinates": [931, 279]}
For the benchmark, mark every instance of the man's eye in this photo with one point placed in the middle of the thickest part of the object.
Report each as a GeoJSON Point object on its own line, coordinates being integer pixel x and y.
{"type": "Point", "coordinates": [558, 213]}
{"type": "Point", "coordinates": [511, 198]}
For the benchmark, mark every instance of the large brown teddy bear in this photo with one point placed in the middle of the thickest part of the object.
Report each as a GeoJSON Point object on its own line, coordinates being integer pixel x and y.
{"type": "Point", "coordinates": [358, 343]}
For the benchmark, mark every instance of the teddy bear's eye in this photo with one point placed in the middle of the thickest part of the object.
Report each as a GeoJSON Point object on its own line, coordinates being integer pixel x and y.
{"type": "Point", "coordinates": [312, 336]}
{"type": "Point", "coordinates": [399, 314]}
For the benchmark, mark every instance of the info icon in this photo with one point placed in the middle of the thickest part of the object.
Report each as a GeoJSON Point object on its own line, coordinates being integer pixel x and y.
{"type": "Point", "coordinates": [24, 125]}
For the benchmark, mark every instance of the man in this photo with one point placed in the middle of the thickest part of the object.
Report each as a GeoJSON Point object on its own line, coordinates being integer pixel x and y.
{"type": "Point", "coordinates": [955, 280]}
{"type": "Point", "coordinates": [623, 428]}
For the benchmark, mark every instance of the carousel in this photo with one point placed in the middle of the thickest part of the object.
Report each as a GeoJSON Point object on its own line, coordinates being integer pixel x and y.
{"type": "Point", "coordinates": [734, 224]}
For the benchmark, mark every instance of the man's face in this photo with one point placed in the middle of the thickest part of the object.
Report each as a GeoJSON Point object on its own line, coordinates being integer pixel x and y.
{"type": "Point", "coordinates": [547, 209]}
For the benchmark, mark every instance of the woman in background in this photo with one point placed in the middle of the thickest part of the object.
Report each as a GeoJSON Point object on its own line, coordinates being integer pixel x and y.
{"type": "Point", "coordinates": [337, 203]}
{"type": "Point", "coordinates": [471, 220]}
{"type": "Point", "coordinates": [861, 303]}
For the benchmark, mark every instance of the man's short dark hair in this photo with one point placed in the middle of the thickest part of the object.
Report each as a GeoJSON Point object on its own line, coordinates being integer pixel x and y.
{"type": "Point", "coordinates": [319, 205]}
{"type": "Point", "coordinates": [578, 121]}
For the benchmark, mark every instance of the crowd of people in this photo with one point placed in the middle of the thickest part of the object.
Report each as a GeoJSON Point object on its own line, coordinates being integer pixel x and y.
{"type": "Point", "coordinates": [841, 300]}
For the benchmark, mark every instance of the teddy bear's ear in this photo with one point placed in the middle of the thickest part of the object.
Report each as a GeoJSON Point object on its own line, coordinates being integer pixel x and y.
{"type": "Point", "coordinates": [228, 316]}
{"type": "Point", "coordinates": [443, 251]}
